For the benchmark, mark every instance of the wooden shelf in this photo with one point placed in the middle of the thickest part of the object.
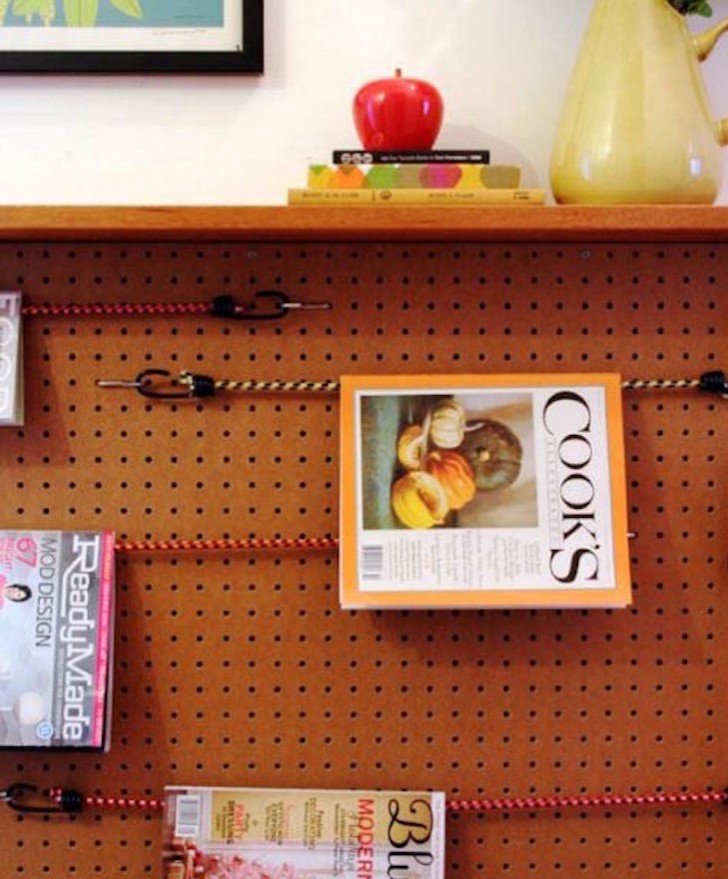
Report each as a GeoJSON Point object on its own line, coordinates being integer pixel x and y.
{"type": "Point", "coordinates": [543, 223]}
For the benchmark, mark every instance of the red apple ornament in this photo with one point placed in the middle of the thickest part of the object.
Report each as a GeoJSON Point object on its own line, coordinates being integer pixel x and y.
{"type": "Point", "coordinates": [398, 113]}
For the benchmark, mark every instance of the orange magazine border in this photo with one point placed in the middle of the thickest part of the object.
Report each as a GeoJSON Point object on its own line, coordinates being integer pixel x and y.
{"type": "Point", "coordinates": [351, 597]}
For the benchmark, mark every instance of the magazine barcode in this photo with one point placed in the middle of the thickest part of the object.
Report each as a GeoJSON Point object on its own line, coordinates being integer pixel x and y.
{"type": "Point", "coordinates": [372, 561]}
{"type": "Point", "coordinates": [187, 816]}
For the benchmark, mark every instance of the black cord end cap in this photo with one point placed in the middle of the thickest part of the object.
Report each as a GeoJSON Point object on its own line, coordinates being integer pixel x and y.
{"type": "Point", "coordinates": [70, 800]}
{"type": "Point", "coordinates": [224, 306]}
{"type": "Point", "coordinates": [202, 385]}
{"type": "Point", "coordinates": [715, 382]}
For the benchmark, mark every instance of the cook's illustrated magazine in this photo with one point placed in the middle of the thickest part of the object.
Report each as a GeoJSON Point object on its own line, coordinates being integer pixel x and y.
{"type": "Point", "coordinates": [259, 833]}
{"type": "Point", "coordinates": [483, 491]}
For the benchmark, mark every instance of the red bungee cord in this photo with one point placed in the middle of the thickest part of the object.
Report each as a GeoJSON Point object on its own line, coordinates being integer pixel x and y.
{"type": "Point", "coordinates": [266, 305]}
{"type": "Point", "coordinates": [26, 798]}
{"type": "Point", "coordinates": [217, 544]}
{"type": "Point", "coordinates": [116, 309]}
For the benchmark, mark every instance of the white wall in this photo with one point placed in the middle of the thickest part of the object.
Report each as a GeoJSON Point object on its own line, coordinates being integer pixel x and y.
{"type": "Point", "coordinates": [502, 68]}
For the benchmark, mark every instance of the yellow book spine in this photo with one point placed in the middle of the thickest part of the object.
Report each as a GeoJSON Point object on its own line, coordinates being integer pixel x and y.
{"type": "Point", "coordinates": [480, 195]}
{"type": "Point", "coordinates": [313, 195]}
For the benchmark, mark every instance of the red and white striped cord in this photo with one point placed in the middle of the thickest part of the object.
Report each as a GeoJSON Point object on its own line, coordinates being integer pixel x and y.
{"type": "Point", "coordinates": [511, 804]}
{"type": "Point", "coordinates": [216, 545]}
{"type": "Point", "coordinates": [72, 801]}
{"type": "Point", "coordinates": [265, 305]}
{"type": "Point", "coordinates": [116, 309]}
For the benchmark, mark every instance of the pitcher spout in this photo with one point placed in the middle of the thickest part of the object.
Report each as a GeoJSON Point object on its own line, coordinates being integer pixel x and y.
{"type": "Point", "coordinates": [723, 132]}
{"type": "Point", "coordinates": [704, 42]}
{"type": "Point", "coordinates": [703, 45]}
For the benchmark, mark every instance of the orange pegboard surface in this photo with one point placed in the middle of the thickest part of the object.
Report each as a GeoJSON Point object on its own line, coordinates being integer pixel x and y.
{"type": "Point", "coordinates": [240, 668]}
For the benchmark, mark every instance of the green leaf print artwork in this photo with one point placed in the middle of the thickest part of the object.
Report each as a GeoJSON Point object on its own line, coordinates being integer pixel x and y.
{"type": "Point", "coordinates": [44, 9]}
{"type": "Point", "coordinates": [80, 13]}
{"type": "Point", "coordinates": [132, 8]}
{"type": "Point", "coordinates": [77, 13]}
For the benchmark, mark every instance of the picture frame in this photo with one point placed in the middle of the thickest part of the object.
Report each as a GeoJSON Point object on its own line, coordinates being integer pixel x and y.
{"type": "Point", "coordinates": [132, 36]}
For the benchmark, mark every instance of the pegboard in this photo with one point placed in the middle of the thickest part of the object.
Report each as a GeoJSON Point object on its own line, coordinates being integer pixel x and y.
{"type": "Point", "coordinates": [240, 669]}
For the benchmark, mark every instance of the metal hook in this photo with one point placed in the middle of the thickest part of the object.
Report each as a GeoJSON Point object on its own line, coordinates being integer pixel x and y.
{"type": "Point", "coordinates": [279, 305]}
{"type": "Point", "coordinates": [15, 796]}
{"type": "Point", "coordinates": [149, 388]}
{"type": "Point", "coordinates": [278, 301]}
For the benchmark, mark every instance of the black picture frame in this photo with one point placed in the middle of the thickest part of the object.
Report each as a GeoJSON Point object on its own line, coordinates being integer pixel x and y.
{"type": "Point", "coordinates": [248, 59]}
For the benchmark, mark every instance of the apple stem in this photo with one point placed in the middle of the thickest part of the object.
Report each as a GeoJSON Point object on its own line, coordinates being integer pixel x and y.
{"type": "Point", "coordinates": [398, 71]}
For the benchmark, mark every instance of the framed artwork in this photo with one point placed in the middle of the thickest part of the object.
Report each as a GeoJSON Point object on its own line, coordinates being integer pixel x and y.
{"type": "Point", "coordinates": [131, 36]}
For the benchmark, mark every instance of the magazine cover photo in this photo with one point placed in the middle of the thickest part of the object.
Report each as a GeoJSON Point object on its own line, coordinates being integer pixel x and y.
{"type": "Point", "coordinates": [450, 460]}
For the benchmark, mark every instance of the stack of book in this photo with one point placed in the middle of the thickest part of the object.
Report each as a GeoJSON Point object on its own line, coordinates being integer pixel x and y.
{"type": "Point", "coordinates": [448, 177]}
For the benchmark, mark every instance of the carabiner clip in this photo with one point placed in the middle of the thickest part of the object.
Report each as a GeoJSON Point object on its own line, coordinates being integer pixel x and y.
{"type": "Point", "coordinates": [15, 797]}
{"type": "Point", "coordinates": [147, 388]}
{"type": "Point", "coordinates": [279, 306]}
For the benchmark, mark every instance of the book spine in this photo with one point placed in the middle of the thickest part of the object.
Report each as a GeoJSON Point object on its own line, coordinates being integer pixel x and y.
{"type": "Point", "coordinates": [330, 196]}
{"type": "Point", "coordinates": [378, 157]}
{"type": "Point", "coordinates": [434, 175]}
{"type": "Point", "coordinates": [481, 196]}
{"type": "Point", "coordinates": [104, 643]}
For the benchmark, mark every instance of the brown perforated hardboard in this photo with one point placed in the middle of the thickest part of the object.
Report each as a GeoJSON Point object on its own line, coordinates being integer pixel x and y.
{"type": "Point", "coordinates": [240, 669]}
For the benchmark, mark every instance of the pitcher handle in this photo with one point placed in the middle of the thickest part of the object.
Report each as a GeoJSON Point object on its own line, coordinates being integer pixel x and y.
{"type": "Point", "coordinates": [703, 44]}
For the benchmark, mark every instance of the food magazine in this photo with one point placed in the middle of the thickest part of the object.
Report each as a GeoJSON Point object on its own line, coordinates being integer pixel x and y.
{"type": "Point", "coordinates": [483, 491]}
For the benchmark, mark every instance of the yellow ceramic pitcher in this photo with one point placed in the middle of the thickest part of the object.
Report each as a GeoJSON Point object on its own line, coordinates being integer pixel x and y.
{"type": "Point", "coordinates": [636, 127]}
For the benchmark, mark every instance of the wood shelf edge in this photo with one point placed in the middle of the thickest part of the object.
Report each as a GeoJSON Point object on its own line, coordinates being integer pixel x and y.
{"type": "Point", "coordinates": [314, 223]}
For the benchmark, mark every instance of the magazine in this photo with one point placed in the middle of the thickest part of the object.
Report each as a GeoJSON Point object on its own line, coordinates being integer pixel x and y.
{"type": "Point", "coordinates": [483, 491]}
{"type": "Point", "coordinates": [258, 833]}
{"type": "Point", "coordinates": [56, 636]}
{"type": "Point", "coordinates": [11, 360]}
